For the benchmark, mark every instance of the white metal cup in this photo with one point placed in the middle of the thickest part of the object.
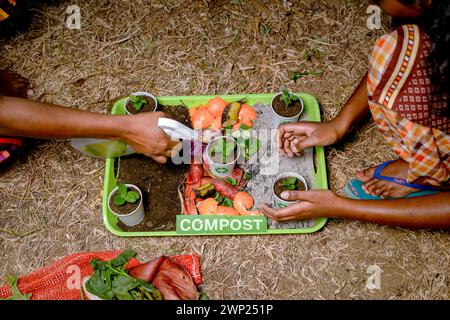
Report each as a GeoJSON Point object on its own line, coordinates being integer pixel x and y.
{"type": "Point", "coordinates": [280, 203]}
{"type": "Point", "coordinates": [280, 119]}
{"type": "Point", "coordinates": [217, 169]}
{"type": "Point", "coordinates": [136, 216]}
{"type": "Point", "coordinates": [146, 94]}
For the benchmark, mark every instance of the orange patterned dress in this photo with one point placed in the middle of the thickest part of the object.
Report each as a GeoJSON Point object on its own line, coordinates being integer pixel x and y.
{"type": "Point", "coordinates": [408, 112]}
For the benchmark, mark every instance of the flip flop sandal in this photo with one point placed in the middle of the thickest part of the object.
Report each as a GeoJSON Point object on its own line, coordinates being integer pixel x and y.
{"type": "Point", "coordinates": [354, 189]}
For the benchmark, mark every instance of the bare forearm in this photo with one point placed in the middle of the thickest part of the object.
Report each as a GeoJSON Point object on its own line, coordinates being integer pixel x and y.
{"type": "Point", "coordinates": [21, 117]}
{"type": "Point", "coordinates": [354, 110]}
{"type": "Point", "coordinates": [421, 212]}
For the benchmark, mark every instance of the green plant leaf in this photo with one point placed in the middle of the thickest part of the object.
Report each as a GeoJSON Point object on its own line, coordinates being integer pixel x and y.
{"type": "Point", "coordinates": [307, 73]}
{"type": "Point", "coordinates": [119, 200]}
{"type": "Point", "coordinates": [12, 282]}
{"type": "Point", "coordinates": [290, 183]}
{"type": "Point", "coordinates": [100, 283]}
{"type": "Point", "coordinates": [288, 98]}
{"type": "Point", "coordinates": [226, 202]}
{"type": "Point", "coordinates": [122, 189]}
{"type": "Point", "coordinates": [132, 196]}
{"type": "Point", "coordinates": [122, 284]}
{"type": "Point", "coordinates": [248, 176]}
{"type": "Point", "coordinates": [138, 102]}
{"type": "Point", "coordinates": [203, 296]}
{"type": "Point", "coordinates": [123, 258]}
{"type": "Point", "coordinates": [231, 181]}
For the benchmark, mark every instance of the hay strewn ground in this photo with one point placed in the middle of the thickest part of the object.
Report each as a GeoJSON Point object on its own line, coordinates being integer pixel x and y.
{"type": "Point", "coordinates": [50, 199]}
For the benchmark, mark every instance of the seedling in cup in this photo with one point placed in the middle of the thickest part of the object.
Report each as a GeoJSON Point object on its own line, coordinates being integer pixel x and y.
{"type": "Point", "coordinates": [222, 154]}
{"type": "Point", "coordinates": [288, 181]}
{"type": "Point", "coordinates": [125, 202]}
{"type": "Point", "coordinates": [287, 107]}
{"type": "Point", "coordinates": [139, 102]}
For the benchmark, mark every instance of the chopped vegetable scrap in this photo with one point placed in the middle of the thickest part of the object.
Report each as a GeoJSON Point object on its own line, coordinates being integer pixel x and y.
{"type": "Point", "coordinates": [161, 278]}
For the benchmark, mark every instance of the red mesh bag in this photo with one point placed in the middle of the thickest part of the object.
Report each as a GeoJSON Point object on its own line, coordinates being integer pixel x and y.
{"type": "Point", "coordinates": [62, 279]}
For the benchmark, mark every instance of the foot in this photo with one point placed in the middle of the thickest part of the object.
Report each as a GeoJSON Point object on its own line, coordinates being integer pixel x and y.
{"type": "Point", "coordinates": [14, 85]}
{"type": "Point", "coordinates": [386, 189]}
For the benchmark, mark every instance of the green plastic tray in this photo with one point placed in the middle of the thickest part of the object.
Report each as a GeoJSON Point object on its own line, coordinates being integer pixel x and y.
{"type": "Point", "coordinates": [319, 170]}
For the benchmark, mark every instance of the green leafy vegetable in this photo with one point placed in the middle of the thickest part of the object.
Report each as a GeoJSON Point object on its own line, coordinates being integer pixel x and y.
{"type": "Point", "coordinates": [290, 183]}
{"type": "Point", "coordinates": [110, 281]}
{"type": "Point", "coordinates": [248, 176]}
{"type": "Point", "coordinates": [288, 98]}
{"type": "Point", "coordinates": [232, 181]}
{"type": "Point", "coordinates": [16, 294]}
{"type": "Point", "coordinates": [223, 201]}
{"type": "Point", "coordinates": [203, 296]}
{"type": "Point", "coordinates": [123, 195]}
{"type": "Point", "coordinates": [138, 102]}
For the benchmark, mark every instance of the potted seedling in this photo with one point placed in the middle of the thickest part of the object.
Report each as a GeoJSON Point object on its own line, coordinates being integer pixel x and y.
{"type": "Point", "coordinates": [288, 181]}
{"type": "Point", "coordinates": [287, 107]}
{"type": "Point", "coordinates": [222, 154]}
{"type": "Point", "coordinates": [139, 102]}
{"type": "Point", "coordinates": [125, 202]}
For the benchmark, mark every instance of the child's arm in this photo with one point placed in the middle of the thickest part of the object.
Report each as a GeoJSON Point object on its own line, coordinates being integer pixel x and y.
{"type": "Point", "coordinates": [26, 118]}
{"type": "Point", "coordinates": [431, 211]}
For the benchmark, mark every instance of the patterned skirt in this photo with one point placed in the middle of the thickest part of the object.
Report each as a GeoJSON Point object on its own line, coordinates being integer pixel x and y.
{"type": "Point", "coordinates": [409, 112]}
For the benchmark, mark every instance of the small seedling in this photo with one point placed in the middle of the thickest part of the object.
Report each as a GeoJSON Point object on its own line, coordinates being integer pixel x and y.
{"type": "Point", "coordinates": [290, 183]}
{"type": "Point", "coordinates": [137, 102]}
{"type": "Point", "coordinates": [288, 98]}
{"type": "Point", "coordinates": [123, 195]}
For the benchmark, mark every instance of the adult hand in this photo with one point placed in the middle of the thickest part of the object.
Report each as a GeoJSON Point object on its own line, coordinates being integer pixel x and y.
{"type": "Point", "coordinates": [295, 137]}
{"type": "Point", "coordinates": [144, 135]}
{"type": "Point", "coordinates": [313, 204]}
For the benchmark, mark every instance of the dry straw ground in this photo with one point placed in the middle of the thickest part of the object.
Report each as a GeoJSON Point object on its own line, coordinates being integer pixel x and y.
{"type": "Point", "coordinates": [50, 199]}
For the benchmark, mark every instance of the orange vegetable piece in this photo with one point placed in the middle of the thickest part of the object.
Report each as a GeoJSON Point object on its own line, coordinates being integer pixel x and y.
{"type": "Point", "coordinates": [193, 110]}
{"type": "Point", "coordinates": [237, 126]}
{"type": "Point", "coordinates": [201, 118]}
{"type": "Point", "coordinates": [247, 113]}
{"type": "Point", "coordinates": [208, 207]}
{"type": "Point", "coordinates": [226, 211]}
{"type": "Point", "coordinates": [242, 202]}
{"type": "Point", "coordinates": [216, 124]}
{"type": "Point", "coordinates": [216, 106]}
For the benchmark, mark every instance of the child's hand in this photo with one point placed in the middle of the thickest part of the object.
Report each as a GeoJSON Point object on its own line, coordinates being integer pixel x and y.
{"type": "Point", "coordinates": [295, 137]}
{"type": "Point", "coordinates": [147, 138]}
{"type": "Point", "coordinates": [313, 204]}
